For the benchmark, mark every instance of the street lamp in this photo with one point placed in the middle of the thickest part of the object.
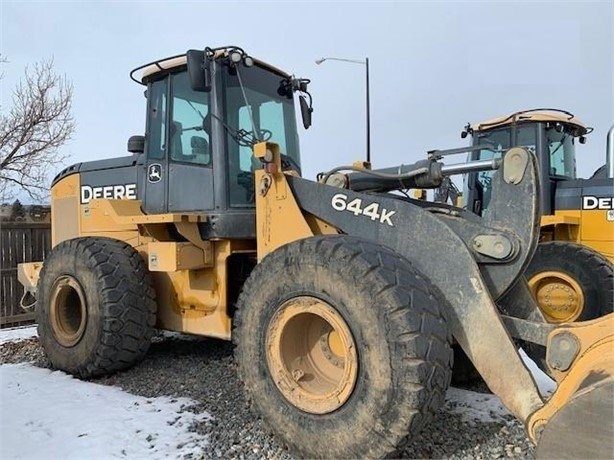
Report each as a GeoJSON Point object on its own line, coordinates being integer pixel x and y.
{"type": "Point", "coordinates": [366, 64]}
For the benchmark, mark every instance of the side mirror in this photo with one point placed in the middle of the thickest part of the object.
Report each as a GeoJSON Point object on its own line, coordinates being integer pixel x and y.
{"type": "Point", "coordinates": [305, 111]}
{"type": "Point", "coordinates": [199, 72]}
{"type": "Point", "coordinates": [136, 144]}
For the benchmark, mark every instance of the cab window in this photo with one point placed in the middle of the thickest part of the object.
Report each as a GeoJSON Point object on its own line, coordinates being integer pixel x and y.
{"type": "Point", "coordinates": [156, 137]}
{"type": "Point", "coordinates": [189, 139]}
{"type": "Point", "coordinates": [496, 142]}
{"type": "Point", "coordinates": [256, 109]}
{"type": "Point", "coordinates": [562, 153]}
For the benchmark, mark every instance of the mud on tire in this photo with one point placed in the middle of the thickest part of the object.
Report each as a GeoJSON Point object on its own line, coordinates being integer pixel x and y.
{"type": "Point", "coordinates": [403, 351]}
{"type": "Point", "coordinates": [96, 306]}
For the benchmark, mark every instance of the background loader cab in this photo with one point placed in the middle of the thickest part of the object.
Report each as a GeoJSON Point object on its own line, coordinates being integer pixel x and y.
{"type": "Point", "coordinates": [570, 275]}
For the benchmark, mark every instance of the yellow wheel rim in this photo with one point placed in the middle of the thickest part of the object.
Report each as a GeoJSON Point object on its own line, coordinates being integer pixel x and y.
{"type": "Point", "coordinates": [311, 355]}
{"type": "Point", "coordinates": [558, 295]}
{"type": "Point", "coordinates": [67, 312]}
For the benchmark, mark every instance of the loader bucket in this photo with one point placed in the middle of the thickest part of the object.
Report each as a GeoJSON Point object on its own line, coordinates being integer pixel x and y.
{"type": "Point", "coordinates": [578, 419]}
{"type": "Point", "coordinates": [584, 427]}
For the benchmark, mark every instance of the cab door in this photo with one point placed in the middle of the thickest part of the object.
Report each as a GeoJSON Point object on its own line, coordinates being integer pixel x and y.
{"type": "Point", "coordinates": [179, 174]}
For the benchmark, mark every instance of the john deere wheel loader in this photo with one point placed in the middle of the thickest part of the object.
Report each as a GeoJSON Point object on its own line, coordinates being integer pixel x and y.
{"type": "Point", "coordinates": [341, 301]}
{"type": "Point", "coordinates": [571, 274]}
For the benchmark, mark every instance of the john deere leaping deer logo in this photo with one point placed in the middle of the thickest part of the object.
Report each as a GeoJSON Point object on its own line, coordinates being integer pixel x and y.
{"type": "Point", "coordinates": [154, 173]}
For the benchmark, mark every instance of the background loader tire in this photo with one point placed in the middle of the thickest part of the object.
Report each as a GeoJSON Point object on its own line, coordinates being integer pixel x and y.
{"type": "Point", "coordinates": [572, 267]}
{"type": "Point", "coordinates": [567, 267]}
{"type": "Point", "coordinates": [398, 347]}
{"type": "Point", "coordinates": [579, 267]}
{"type": "Point", "coordinates": [96, 306]}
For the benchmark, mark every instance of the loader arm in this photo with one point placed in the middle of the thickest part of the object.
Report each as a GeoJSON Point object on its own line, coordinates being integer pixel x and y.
{"type": "Point", "coordinates": [472, 262]}
{"type": "Point", "coordinates": [448, 261]}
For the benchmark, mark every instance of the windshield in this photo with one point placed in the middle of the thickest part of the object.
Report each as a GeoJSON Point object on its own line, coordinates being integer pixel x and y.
{"type": "Point", "coordinates": [495, 143]}
{"type": "Point", "coordinates": [257, 109]}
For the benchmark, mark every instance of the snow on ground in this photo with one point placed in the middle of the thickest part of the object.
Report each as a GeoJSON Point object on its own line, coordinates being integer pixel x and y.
{"type": "Point", "coordinates": [15, 334]}
{"type": "Point", "coordinates": [545, 384]}
{"type": "Point", "coordinates": [485, 407]}
{"type": "Point", "coordinates": [45, 414]}
{"type": "Point", "coordinates": [473, 406]}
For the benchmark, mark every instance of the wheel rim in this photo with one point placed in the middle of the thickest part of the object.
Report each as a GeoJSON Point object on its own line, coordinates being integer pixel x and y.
{"type": "Point", "coordinates": [559, 296]}
{"type": "Point", "coordinates": [67, 311]}
{"type": "Point", "coordinates": [311, 355]}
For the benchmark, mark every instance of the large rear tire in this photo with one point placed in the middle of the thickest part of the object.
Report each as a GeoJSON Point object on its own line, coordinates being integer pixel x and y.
{"type": "Point", "coordinates": [342, 347]}
{"type": "Point", "coordinates": [96, 306]}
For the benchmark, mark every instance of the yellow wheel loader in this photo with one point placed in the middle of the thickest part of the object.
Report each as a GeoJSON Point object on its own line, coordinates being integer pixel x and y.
{"type": "Point", "coordinates": [342, 299]}
{"type": "Point", "coordinates": [571, 274]}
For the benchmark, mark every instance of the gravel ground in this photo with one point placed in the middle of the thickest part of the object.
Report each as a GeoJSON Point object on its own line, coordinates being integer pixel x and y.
{"type": "Point", "coordinates": [203, 369]}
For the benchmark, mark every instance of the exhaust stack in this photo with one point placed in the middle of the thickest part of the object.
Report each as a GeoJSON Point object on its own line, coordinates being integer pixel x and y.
{"type": "Point", "coordinates": [609, 159]}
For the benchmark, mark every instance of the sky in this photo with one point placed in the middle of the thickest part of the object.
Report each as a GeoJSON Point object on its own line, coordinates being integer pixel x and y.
{"type": "Point", "coordinates": [434, 66]}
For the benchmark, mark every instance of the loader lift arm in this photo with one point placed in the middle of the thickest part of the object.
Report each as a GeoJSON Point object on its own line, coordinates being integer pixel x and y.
{"type": "Point", "coordinates": [473, 263]}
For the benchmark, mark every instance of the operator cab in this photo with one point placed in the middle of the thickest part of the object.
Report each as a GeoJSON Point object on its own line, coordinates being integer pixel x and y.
{"type": "Point", "coordinates": [200, 133]}
{"type": "Point", "coordinates": [548, 133]}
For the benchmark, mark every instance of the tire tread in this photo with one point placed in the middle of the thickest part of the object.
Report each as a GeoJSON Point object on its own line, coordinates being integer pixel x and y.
{"type": "Point", "coordinates": [415, 329]}
{"type": "Point", "coordinates": [127, 308]}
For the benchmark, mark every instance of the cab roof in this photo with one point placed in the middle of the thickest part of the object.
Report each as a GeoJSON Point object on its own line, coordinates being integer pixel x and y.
{"type": "Point", "coordinates": [534, 115]}
{"type": "Point", "coordinates": [172, 62]}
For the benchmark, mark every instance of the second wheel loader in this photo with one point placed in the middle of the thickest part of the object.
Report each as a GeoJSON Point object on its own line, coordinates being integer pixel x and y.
{"type": "Point", "coordinates": [341, 301]}
{"type": "Point", "coordinates": [571, 274]}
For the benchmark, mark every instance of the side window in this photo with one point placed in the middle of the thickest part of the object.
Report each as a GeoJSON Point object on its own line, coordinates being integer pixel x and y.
{"type": "Point", "coordinates": [245, 151]}
{"type": "Point", "coordinates": [157, 119]}
{"type": "Point", "coordinates": [526, 138]}
{"type": "Point", "coordinates": [562, 153]}
{"type": "Point", "coordinates": [190, 123]}
{"type": "Point", "coordinates": [272, 119]}
{"type": "Point", "coordinates": [495, 143]}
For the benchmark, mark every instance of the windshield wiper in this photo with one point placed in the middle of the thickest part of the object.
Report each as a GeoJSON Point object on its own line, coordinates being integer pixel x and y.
{"type": "Point", "coordinates": [241, 136]}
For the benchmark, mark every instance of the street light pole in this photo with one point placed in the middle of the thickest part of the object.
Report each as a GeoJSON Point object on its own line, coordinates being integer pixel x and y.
{"type": "Point", "coordinates": [368, 113]}
{"type": "Point", "coordinates": [366, 64]}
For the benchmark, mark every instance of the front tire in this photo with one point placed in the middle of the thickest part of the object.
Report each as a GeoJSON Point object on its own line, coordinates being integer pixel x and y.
{"type": "Point", "coordinates": [96, 308]}
{"type": "Point", "coordinates": [342, 347]}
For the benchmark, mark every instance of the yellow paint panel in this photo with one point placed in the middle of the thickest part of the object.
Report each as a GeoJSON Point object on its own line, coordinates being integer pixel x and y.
{"type": "Point", "coordinates": [596, 226]}
{"type": "Point", "coordinates": [65, 222]}
{"type": "Point", "coordinates": [195, 301]}
{"type": "Point", "coordinates": [279, 220]}
{"type": "Point", "coordinates": [588, 227]}
{"type": "Point", "coordinates": [566, 217]}
{"type": "Point", "coordinates": [170, 256]}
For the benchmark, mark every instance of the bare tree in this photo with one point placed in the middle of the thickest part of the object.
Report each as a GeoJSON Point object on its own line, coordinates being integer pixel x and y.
{"type": "Point", "coordinates": [33, 131]}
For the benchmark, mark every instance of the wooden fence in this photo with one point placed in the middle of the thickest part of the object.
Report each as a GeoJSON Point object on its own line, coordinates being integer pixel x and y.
{"type": "Point", "coordinates": [19, 242]}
